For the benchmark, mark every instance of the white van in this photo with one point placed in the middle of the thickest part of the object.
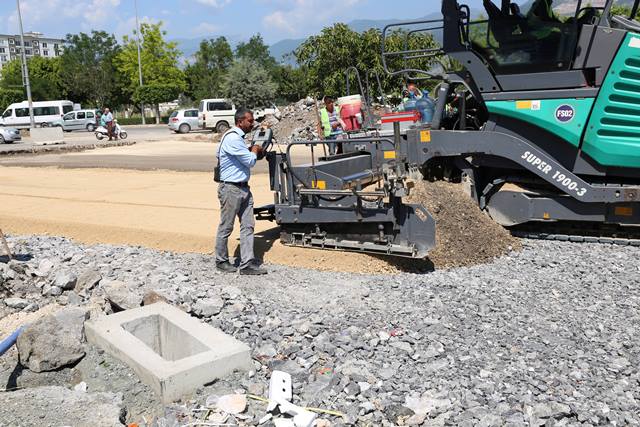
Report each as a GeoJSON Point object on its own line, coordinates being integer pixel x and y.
{"type": "Point", "coordinates": [44, 112]}
{"type": "Point", "coordinates": [216, 114]}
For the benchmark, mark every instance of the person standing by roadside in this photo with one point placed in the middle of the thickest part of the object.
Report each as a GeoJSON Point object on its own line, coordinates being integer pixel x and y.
{"type": "Point", "coordinates": [108, 119]}
{"type": "Point", "coordinates": [235, 161]}
{"type": "Point", "coordinates": [332, 124]}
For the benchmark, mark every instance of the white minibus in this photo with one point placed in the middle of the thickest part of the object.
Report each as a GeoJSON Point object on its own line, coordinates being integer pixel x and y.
{"type": "Point", "coordinates": [44, 112]}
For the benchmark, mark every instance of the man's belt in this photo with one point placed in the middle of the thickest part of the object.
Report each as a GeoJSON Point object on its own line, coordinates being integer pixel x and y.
{"type": "Point", "coordinates": [237, 184]}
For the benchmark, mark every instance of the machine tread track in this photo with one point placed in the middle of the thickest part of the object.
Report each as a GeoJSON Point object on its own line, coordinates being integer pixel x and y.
{"type": "Point", "coordinates": [568, 235]}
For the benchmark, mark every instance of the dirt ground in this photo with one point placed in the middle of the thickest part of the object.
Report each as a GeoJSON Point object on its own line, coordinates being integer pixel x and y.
{"type": "Point", "coordinates": [178, 211]}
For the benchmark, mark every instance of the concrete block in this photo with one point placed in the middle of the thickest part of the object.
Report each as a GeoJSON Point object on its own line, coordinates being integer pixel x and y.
{"type": "Point", "coordinates": [45, 136]}
{"type": "Point", "coordinates": [170, 351]}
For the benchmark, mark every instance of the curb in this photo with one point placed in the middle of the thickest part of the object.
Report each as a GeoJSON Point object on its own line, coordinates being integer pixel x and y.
{"type": "Point", "coordinates": [49, 149]}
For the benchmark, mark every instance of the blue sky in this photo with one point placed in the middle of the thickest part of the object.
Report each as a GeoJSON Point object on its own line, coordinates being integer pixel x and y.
{"type": "Point", "coordinates": [274, 19]}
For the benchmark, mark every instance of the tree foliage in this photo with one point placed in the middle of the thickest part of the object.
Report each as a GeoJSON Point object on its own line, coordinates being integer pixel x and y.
{"type": "Point", "coordinates": [204, 77]}
{"type": "Point", "coordinates": [159, 62]}
{"type": "Point", "coordinates": [88, 72]}
{"type": "Point", "coordinates": [10, 96]}
{"type": "Point", "coordinates": [156, 93]}
{"type": "Point", "coordinates": [257, 51]}
{"type": "Point", "coordinates": [327, 56]}
{"type": "Point", "coordinates": [249, 85]}
{"type": "Point", "coordinates": [158, 57]}
{"type": "Point", "coordinates": [44, 76]}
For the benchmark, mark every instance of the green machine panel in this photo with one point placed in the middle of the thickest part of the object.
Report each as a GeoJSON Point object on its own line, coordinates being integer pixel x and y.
{"type": "Point", "coordinates": [613, 132]}
{"type": "Point", "coordinates": [562, 117]}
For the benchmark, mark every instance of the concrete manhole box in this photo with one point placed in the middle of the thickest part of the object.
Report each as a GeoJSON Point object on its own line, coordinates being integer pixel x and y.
{"type": "Point", "coordinates": [170, 351]}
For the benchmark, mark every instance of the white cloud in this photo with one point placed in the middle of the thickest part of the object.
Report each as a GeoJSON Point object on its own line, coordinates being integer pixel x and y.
{"type": "Point", "coordinates": [290, 14]}
{"type": "Point", "coordinates": [98, 11]}
{"type": "Point", "coordinates": [214, 3]}
{"type": "Point", "coordinates": [38, 13]}
{"type": "Point", "coordinates": [205, 29]}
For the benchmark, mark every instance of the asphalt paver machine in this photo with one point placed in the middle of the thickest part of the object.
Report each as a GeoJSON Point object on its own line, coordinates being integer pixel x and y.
{"type": "Point", "coordinates": [538, 117]}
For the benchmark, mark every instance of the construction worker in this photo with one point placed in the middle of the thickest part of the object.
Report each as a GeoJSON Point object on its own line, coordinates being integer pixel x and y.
{"type": "Point", "coordinates": [235, 161]}
{"type": "Point", "coordinates": [412, 92]}
{"type": "Point", "coordinates": [332, 124]}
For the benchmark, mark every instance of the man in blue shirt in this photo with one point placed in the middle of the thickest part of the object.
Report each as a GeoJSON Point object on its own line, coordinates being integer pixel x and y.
{"type": "Point", "coordinates": [236, 161]}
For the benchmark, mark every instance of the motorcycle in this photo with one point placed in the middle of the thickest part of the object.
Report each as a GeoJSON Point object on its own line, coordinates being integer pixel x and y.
{"type": "Point", "coordinates": [101, 132]}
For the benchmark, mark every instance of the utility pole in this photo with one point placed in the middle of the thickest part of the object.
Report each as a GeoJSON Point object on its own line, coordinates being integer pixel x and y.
{"type": "Point", "coordinates": [139, 60]}
{"type": "Point", "coordinates": [25, 69]}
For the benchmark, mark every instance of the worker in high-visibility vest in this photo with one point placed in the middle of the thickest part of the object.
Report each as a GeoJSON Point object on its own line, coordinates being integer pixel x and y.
{"type": "Point", "coordinates": [332, 124]}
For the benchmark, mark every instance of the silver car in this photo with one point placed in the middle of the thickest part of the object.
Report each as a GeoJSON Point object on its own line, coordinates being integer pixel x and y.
{"type": "Point", "coordinates": [77, 120]}
{"type": "Point", "coordinates": [9, 135]}
{"type": "Point", "coordinates": [183, 121]}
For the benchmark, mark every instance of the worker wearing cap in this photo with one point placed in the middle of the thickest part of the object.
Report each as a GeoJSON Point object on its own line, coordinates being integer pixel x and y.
{"type": "Point", "coordinates": [332, 124]}
{"type": "Point", "coordinates": [235, 162]}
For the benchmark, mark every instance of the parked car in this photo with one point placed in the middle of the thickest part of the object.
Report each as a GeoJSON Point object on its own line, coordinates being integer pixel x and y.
{"type": "Point", "coordinates": [261, 113]}
{"type": "Point", "coordinates": [216, 114]}
{"type": "Point", "coordinates": [184, 121]}
{"type": "Point", "coordinates": [44, 112]}
{"type": "Point", "coordinates": [77, 120]}
{"type": "Point", "coordinates": [9, 135]}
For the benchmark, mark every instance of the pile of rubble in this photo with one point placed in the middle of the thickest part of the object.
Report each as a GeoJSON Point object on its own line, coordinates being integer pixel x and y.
{"type": "Point", "coordinates": [295, 122]}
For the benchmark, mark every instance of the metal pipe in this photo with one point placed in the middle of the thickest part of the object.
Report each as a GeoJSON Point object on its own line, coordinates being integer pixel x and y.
{"type": "Point", "coordinates": [25, 69]}
{"type": "Point", "coordinates": [135, 4]}
{"type": "Point", "coordinates": [443, 92]}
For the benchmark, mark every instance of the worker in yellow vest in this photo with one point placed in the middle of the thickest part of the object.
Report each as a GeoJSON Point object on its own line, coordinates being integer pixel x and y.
{"type": "Point", "coordinates": [332, 125]}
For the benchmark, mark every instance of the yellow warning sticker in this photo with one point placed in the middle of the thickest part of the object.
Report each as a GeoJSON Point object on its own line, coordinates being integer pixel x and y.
{"type": "Point", "coordinates": [320, 185]}
{"type": "Point", "coordinates": [425, 136]}
{"type": "Point", "coordinates": [523, 105]}
{"type": "Point", "coordinates": [528, 105]}
{"type": "Point", "coordinates": [389, 154]}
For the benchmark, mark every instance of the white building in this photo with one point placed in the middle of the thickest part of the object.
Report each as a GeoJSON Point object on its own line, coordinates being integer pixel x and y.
{"type": "Point", "coordinates": [35, 44]}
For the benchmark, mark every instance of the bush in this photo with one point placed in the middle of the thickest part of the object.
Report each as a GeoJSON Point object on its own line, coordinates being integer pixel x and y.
{"type": "Point", "coordinates": [8, 97]}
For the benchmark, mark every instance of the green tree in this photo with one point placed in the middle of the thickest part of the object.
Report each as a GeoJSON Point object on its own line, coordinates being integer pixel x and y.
{"type": "Point", "coordinates": [257, 51]}
{"type": "Point", "coordinates": [44, 76]}
{"type": "Point", "coordinates": [249, 85]}
{"type": "Point", "coordinates": [204, 77]}
{"type": "Point", "coordinates": [9, 96]}
{"type": "Point", "coordinates": [291, 81]}
{"type": "Point", "coordinates": [327, 56]}
{"type": "Point", "coordinates": [88, 71]}
{"type": "Point", "coordinates": [156, 93]}
{"type": "Point", "coordinates": [159, 60]}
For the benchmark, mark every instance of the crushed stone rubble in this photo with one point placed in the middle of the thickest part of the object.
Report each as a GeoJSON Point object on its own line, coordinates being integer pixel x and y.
{"type": "Point", "coordinates": [546, 336]}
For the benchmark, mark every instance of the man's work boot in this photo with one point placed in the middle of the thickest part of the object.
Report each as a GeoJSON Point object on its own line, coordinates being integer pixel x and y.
{"type": "Point", "coordinates": [253, 270]}
{"type": "Point", "coordinates": [226, 267]}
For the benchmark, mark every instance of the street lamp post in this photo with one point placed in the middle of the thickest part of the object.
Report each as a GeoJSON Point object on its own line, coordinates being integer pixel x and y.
{"type": "Point", "coordinates": [25, 69]}
{"type": "Point", "coordinates": [139, 60]}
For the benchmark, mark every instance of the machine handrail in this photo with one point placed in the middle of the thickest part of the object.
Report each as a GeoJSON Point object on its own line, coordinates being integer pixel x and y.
{"type": "Point", "coordinates": [414, 53]}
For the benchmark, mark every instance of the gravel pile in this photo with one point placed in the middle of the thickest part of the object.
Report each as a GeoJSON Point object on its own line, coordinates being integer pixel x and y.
{"type": "Point", "coordinates": [464, 234]}
{"type": "Point", "coordinates": [545, 336]}
{"type": "Point", "coordinates": [296, 122]}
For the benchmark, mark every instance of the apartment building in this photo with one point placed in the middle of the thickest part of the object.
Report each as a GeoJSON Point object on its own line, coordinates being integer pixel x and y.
{"type": "Point", "coordinates": [35, 44]}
